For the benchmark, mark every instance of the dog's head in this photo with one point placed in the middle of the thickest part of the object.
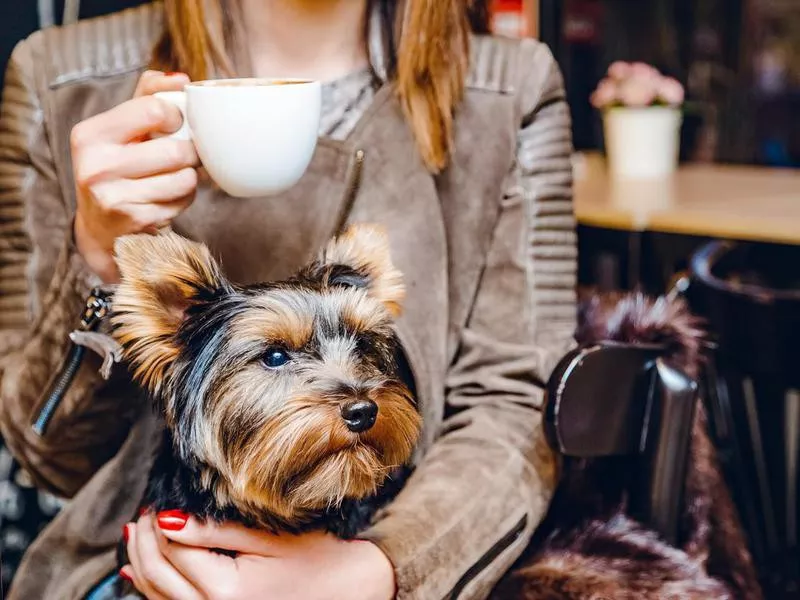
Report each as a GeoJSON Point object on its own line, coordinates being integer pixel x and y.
{"type": "Point", "coordinates": [284, 395]}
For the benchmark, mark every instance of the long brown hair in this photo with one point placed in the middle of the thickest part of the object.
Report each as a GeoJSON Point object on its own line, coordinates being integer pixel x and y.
{"type": "Point", "coordinates": [426, 54]}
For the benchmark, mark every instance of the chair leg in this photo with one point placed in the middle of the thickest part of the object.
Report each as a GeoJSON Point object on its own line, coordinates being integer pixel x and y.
{"type": "Point", "coordinates": [723, 392]}
{"type": "Point", "coordinates": [792, 447]}
{"type": "Point", "coordinates": [759, 450]}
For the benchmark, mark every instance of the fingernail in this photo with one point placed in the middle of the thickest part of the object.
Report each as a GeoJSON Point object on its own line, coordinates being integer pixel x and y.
{"type": "Point", "coordinates": [172, 74]}
{"type": "Point", "coordinates": [124, 574]}
{"type": "Point", "coordinates": [172, 520]}
{"type": "Point", "coordinates": [125, 534]}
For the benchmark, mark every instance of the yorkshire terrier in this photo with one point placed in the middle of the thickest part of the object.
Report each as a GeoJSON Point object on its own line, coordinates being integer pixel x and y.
{"type": "Point", "coordinates": [282, 401]}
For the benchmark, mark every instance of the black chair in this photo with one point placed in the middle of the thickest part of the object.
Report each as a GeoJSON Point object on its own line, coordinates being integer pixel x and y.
{"type": "Point", "coordinates": [614, 399]}
{"type": "Point", "coordinates": [750, 296]}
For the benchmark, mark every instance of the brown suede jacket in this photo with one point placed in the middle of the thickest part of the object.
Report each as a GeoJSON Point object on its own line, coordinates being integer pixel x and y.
{"type": "Point", "coordinates": [490, 306]}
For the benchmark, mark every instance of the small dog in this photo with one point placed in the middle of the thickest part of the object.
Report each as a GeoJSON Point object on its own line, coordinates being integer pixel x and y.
{"type": "Point", "coordinates": [282, 401]}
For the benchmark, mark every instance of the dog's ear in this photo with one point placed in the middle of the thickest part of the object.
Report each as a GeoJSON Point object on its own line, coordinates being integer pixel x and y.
{"type": "Point", "coordinates": [360, 257]}
{"type": "Point", "coordinates": [162, 277]}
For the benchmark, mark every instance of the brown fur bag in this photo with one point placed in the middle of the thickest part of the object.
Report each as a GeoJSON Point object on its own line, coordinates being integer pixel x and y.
{"type": "Point", "coordinates": [587, 547]}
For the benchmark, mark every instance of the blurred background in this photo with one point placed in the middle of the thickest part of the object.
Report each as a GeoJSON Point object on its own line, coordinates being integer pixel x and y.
{"type": "Point", "coordinates": [20, 18]}
{"type": "Point", "coordinates": [739, 61]}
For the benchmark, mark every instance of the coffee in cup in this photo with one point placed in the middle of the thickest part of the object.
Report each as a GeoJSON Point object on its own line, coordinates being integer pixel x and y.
{"type": "Point", "coordinates": [255, 137]}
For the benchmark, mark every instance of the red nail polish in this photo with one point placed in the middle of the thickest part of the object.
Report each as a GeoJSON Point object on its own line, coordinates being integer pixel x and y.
{"type": "Point", "coordinates": [172, 520]}
{"type": "Point", "coordinates": [125, 534]}
{"type": "Point", "coordinates": [172, 74]}
{"type": "Point", "coordinates": [125, 575]}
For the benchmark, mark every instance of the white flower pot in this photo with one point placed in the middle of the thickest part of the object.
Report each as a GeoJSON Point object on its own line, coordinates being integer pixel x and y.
{"type": "Point", "coordinates": [642, 143]}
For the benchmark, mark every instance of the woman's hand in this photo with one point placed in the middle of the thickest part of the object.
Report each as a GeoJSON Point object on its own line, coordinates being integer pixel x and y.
{"type": "Point", "coordinates": [128, 180]}
{"type": "Point", "coordinates": [171, 559]}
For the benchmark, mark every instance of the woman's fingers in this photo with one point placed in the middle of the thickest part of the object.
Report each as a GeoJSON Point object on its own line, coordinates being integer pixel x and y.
{"type": "Point", "coordinates": [151, 218]}
{"type": "Point", "coordinates": [211, 573]}
{"type": "Point", "coordinates": [136, 570]}
{"type": "Point", "coordinates": [152, 82]}
{"type": "Point", "coordinates": [133, 161]}
{"type": "Point", "coordinates": [227, 536]}
{"type": "Point", "coordinates": [153, 157]}
{"type": "Point", "coordinates": [154, 570]}
{"type": "Point", "coordinates": [119, 195]}
{"type": "Point", "coordinates": [126, 122]}
{"type": "Point", "coordinates": [129, 178]}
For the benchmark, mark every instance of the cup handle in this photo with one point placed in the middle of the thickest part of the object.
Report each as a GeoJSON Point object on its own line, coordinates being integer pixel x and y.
{"type": "Point", "coordinates": [177, 99]}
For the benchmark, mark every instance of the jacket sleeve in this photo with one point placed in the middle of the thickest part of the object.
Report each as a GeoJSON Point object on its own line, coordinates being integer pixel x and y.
{"type": "Point", "coordinates": [43, 287]}
{"type": "Point", "coordinates": [473, 503]}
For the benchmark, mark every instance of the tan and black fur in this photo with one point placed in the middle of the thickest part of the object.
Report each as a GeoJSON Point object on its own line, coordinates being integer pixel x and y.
{"type": "Point", "coordinates": [258, 384]}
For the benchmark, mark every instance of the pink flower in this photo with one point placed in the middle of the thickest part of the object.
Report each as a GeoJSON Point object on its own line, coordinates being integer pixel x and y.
{"type": "Point", "coordinates": [638, 92]}
{"type": "Point", "coordinates": [605, 94]}
{"type": "Point", "coordinates": [637, 85]}
{"type": "Point", "coordinates": [619, 70]}
{"type": "Point", "coordinates": [644, 71]}
{"type": "Point", "coordinates": [671, 91]}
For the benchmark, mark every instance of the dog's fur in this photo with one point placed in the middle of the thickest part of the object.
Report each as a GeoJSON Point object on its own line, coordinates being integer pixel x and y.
{"type": "Point", "coordinates": [253, 382]}
{"type": "Point", "coordinates": [587, 548]}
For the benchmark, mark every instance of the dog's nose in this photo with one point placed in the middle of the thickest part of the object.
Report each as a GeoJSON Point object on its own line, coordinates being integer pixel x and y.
{"type": "Point", "coordinates": [360, 415]}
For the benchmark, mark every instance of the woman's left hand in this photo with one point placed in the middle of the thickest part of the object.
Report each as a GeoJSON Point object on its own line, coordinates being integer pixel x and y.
{"type": "Point", "coordinates": [172, 558]}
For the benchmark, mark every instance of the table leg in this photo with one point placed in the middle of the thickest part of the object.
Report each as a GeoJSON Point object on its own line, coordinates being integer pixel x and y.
{"type": "Point", "coordinates": [634, 260]}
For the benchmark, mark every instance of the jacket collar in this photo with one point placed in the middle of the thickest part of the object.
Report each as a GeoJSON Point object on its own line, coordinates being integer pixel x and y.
{"type": "Point", "coordinates": [376, 46]}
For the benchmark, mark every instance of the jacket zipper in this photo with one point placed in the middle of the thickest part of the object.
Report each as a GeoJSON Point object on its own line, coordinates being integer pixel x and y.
{"type": "Point", "coordinates": [488, 558]}
{"type": "Point", "coordinates": [97, 306]}
{"type": "Point", "coordinates": [351, 191]}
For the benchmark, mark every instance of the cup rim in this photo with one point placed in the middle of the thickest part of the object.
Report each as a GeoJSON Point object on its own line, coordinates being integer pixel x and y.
{"type": "Point", "coordinates": [249, 83]}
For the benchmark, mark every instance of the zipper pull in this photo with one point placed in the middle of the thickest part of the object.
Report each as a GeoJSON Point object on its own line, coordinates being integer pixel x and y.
{"type": "Point", "coordinates": [98, 305]}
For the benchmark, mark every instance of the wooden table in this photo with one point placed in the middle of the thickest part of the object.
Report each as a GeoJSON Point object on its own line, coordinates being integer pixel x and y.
{"type": "Point", "coordinates": [747, 203]}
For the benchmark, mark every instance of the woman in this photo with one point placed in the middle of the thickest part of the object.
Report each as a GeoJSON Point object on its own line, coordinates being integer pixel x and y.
{"type": "Point", "coordinates": [458, 143]}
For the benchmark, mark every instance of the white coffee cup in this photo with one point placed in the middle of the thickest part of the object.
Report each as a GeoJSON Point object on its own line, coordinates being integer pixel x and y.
{"type": "Point", "coordinates": [255, 137]}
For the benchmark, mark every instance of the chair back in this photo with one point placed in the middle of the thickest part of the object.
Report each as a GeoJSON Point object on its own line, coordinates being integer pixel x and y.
{"type": "Point", "coordinates": [750, 295]}
{"type": "Point", "coordinates": [616, 399]}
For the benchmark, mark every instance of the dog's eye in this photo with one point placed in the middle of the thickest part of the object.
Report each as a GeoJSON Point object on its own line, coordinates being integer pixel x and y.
{"type": "Point", "coordinates": [275, 357]}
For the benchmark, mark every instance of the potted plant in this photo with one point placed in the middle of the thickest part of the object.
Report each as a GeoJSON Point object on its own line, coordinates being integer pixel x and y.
{"type": "Point", "coordinates": [641, 120]}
